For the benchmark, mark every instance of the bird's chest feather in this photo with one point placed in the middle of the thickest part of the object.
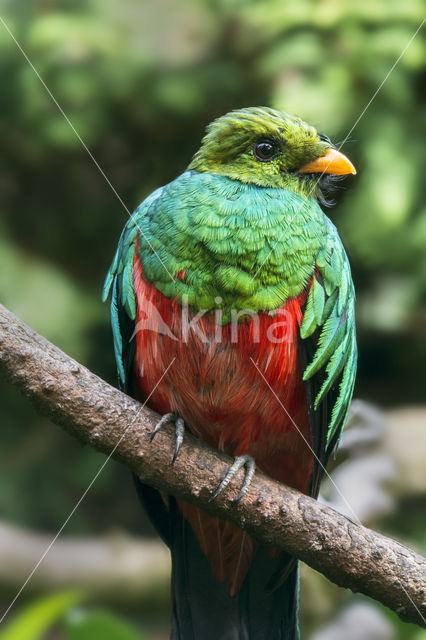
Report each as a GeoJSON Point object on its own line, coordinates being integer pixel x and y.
{"type": "Point", "coordinates": [238, 387]}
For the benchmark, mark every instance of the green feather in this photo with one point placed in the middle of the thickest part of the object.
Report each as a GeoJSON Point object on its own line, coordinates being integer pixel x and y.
{"type": "Point", "coordinates": [117, 338]}
{"type": "Point", "coordinates": [318, 300]}
{"type": "Point", "coordinates": [341, 407]}
{"type": "Point", "coordinates": [332, 332]}
{"type": "Point", "coordinates": [309, 323]}
{"type": "Point", "coordinates": [329, 305]}
{"type": "Point", "coordinates": [336, 348]}
{"type": "Point", "coordinates": [333, 369]}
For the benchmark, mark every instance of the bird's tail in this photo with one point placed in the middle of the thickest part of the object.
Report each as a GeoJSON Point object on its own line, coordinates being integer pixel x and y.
{"type": "Point", "coordinates": [203, 608]}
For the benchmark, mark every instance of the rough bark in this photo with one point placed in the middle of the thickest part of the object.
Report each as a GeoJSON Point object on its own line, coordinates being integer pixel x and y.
{"type": "Point", "coordinates": [97, 414]}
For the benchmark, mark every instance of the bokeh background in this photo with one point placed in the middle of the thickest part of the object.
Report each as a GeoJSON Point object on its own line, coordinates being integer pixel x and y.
{"type": "Point", "coordinates": [139, 81]}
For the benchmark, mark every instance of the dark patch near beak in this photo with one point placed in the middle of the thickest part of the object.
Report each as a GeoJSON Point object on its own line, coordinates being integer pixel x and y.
{"type": "Point", "coordinates": [324, 138]}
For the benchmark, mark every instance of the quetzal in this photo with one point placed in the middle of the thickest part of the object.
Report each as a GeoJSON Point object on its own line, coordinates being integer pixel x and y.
{"type": "Point", "coordinates": [233, 273]}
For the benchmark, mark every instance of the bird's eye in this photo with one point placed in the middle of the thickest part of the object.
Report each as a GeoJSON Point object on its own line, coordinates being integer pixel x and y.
{"type": "Point", "coordinates": [324, 138]}
{"type": "Point", "coordinates": [264, 150]}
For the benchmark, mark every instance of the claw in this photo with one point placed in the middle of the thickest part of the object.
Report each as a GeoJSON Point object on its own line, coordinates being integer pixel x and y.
{"type": "Point", "coordinates": [171, 418]}
{"type": "Point", "coordinates": [180, 429]}
{"type": "Point", "coordinates": [239, 462]}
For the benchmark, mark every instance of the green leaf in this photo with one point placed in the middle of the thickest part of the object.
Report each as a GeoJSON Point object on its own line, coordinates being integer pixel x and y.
{"type": "Point", "coordinates": [98, 625]}
{"type": "Point", "coordinates": [36, 618]}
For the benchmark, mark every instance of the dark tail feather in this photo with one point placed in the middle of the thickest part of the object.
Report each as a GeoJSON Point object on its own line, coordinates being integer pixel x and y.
{"type": "Point", "coordinates": [203, 608]}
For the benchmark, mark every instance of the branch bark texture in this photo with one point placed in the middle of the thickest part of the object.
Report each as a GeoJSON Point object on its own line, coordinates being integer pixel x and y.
{"type": "Point", "coordinates": [97, 414]}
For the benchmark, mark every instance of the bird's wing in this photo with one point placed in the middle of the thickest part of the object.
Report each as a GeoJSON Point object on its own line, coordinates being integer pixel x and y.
{"type": "Point", "coordinates": [328, 349]}
{"type": "Point", "coordinates": [119, 281]}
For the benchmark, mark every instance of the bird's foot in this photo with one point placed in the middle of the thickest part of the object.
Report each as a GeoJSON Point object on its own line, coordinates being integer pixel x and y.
{"type": "Point", "coordinates": [171, 418]}
{"type": "Point", "coordinates": [239, 462]}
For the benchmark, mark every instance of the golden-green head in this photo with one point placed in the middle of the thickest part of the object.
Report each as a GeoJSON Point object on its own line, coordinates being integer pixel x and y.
{"type": "Point", "coordinates": [269, 148]}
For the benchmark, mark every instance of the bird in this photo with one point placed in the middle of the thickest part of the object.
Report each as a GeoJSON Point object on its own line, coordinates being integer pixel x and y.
{"type": "Point", "coordinates": [232, 311]}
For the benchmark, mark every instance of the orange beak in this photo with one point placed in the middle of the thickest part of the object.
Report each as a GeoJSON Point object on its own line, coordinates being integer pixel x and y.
{"type": "Point", "coordinates": [332, 162]}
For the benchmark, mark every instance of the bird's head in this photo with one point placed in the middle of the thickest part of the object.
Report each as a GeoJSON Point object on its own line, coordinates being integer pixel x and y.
{"type": "Point", "coordinates": [269, 148]}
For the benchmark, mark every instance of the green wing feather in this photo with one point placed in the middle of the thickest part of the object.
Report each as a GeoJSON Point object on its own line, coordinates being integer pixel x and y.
{"type": "Point", "coordinates": [119, 281]}
{"type": "Point", "coordinates": [330, 310]}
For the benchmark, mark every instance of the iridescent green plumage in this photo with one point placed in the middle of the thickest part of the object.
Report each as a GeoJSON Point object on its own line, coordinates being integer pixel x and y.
{"type": "Point", "coordinates": [251, 246]}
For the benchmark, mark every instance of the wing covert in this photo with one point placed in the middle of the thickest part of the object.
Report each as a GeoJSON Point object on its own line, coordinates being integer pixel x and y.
{"type": "Point", "coordinates": [119, 281]}
{"type": "Point", "coordinates": [330, 315]}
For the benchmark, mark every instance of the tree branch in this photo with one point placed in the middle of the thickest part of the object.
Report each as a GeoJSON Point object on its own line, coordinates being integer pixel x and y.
{"type": "Point", "coordinates": [85, 406]}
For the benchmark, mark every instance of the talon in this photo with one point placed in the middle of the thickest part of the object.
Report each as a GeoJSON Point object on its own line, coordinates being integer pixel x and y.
{"type": "Point", "coordinates": [168, 417]}
{"type": "Point", "coordinates": [239, 462]}
{"type": "Point", "coordinates": [171, 418]}
{"type": "Point", "coordinates": [180, 429]}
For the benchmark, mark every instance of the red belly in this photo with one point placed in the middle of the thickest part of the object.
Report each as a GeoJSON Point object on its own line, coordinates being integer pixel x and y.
{"type": "Point", "coordinates": [213, 384]}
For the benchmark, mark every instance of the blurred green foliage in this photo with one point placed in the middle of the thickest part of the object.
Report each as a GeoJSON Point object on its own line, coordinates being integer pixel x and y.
{"type": "Point", "coordinates": [98, 625]}
{"type": "Point", "coordinates": [36, 619]}
{"type": "Point", "coordinates": [139, 81]}
{"type": "Point", "coordinates": [59, 611]}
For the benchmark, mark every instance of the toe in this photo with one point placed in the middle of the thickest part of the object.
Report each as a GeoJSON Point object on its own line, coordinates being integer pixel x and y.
{"type": "Point", "coordinates": [166, 419]}
{"type": "Point", "coordinates": [239, 462]}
